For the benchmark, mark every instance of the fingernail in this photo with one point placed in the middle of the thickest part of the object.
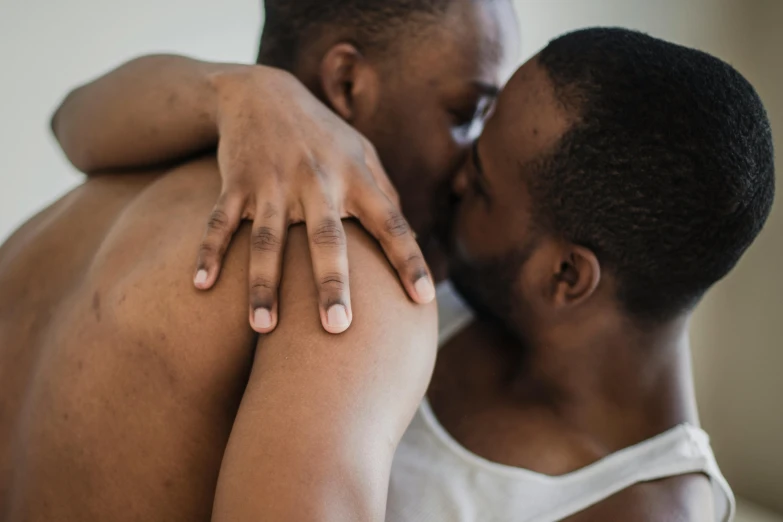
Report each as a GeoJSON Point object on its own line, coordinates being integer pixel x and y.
{"type": "Point", "coordinates": [262, 318]}
{"type": "Point", "coordinates": [201, 277]}
{"type": "Point", "coordinates": [424, 289]}
{"type": "Point", "coordinates": [337, 317]}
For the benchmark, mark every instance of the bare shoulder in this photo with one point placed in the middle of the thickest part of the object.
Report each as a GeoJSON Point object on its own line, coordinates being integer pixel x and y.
{"type": "Point", "coordinates": [379, 301]}
{"type": "Point", "coordinates": [148, 267]}
{"type": "Point", "coordinates": [383, 363]}
{"type": "Point", "coordinates": [130, 379]}
{"type": "Point", "coordinates": [687, 498]}
{"type": "Point", "coordinates": [143, 274]}
{"type": "Point", "coordinates": [342, 401]}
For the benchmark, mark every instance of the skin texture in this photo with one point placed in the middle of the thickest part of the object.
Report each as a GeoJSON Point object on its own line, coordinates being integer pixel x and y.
{"type": "Point", "coordinates": [121, 383]}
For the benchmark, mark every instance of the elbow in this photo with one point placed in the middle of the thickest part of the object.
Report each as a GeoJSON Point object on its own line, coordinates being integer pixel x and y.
{"type": "Point", "coordinates": [60, 114]}
{"type": "Point", "coordinates": [71, 141]}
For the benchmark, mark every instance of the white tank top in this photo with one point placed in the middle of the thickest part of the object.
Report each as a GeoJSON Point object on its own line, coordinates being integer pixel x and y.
{"type": "Point", "coordinates": [434, 479]}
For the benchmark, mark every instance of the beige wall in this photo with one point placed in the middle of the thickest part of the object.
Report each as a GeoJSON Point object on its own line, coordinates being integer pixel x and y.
{"type": "Point", "coordinates": [738, 334]}
{"type": "Point", "coordinates": [47, 48]}
{"type": "Point", "coordinates": [738, 331]}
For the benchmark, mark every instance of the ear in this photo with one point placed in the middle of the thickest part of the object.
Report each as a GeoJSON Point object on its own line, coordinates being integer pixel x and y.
{"type": "Point", "coordinates": [349, 83]}
{"type": "Point", "coordinates": [576, 276]}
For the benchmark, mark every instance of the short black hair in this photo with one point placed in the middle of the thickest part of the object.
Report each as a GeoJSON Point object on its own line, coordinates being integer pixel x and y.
{"type": "Point", "coordinates": [668, 171]}
{"type": "Point", "coordinates": [372, 24]}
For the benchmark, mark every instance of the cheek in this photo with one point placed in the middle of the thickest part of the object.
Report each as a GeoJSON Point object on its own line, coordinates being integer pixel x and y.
{"type": "Point", "coordinates": [480, 233]}
{"type": "Point", "coordinates": [433, 144]}
{"type": "Point", "coordinates": [418, 150]}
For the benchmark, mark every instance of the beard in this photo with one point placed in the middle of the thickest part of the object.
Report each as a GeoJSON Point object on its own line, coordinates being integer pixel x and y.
{"type": "Point", "coordinates": [488, 287]}
{"type": "Point", "coordinates": [490, 290]}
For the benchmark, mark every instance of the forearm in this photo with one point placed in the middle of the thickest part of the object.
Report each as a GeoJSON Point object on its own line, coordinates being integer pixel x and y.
{"type": "Point", "coordinates": [151, 110]}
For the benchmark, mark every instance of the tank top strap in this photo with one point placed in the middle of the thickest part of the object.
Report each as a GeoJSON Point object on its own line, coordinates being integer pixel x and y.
{"type": "Point", "coordinates": [682, 450]}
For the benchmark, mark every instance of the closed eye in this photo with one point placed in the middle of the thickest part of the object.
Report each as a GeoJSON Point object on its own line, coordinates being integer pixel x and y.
{"type": "Point", "coordinates": [469, 122]}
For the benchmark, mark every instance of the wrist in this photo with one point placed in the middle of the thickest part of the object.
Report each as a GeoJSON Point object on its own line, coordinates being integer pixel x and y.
{"type": "Point", "coordinates": [235, 87]}
{"type": "Point", "coordinates": [232, 87]}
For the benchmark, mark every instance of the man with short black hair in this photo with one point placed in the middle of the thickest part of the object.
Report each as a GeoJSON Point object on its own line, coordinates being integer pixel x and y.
{"type": "Point", "coordinates": [619, 178]}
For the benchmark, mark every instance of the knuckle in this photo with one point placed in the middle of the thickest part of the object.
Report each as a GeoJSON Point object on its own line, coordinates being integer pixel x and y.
{"type": "Point", "coordinates": [414, 265]}
{"type": "Point", "coordinates": [270, 211]}
{"type": "Point", "coordinates": [309, 164]}
{"type": "Point", "coordinates": [329, 233]}
{"type": "Point", "coordinates": [333, 282]}
{"type": "Point", "coordinates": [208, 251]}
{"type": "Point", "coordinates": [396, 225]}
{"type": "Point", "coordinates": [218, 221]}
{"type": "Point", "coordinates": [262, 284]}
{"type": "Point", "coordinates": [414, 260]}
{"type": "Point", "coordinates": [265, 240]}
{"type": "Point", "coordinates": [319, 171]}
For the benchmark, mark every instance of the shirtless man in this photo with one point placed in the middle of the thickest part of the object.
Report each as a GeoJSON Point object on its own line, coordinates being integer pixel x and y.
{"type": "Point", "coordinates": [120, 383]}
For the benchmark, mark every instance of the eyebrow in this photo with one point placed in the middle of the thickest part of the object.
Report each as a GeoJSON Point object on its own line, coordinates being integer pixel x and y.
{"type": "Point", "coordinates": [487, 89]}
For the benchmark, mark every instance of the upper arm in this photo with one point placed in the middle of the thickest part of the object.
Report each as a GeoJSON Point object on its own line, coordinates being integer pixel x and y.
{"type": "Point", "coordinates": [322, 414]}
{"type": "Point", "coordinates": [686, 498]}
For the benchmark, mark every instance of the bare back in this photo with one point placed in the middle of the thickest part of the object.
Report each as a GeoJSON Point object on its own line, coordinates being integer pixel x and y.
{"type": "Point", "coordinates": [119, 383]}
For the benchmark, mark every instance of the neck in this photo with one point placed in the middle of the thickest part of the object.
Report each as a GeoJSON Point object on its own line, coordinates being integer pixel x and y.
{"type": "Point", "coordinates": [612, 381]}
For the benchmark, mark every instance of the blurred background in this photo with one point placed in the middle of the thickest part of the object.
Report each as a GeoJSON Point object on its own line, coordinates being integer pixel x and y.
{"type": "Point", "coordinates": [737, 332]}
